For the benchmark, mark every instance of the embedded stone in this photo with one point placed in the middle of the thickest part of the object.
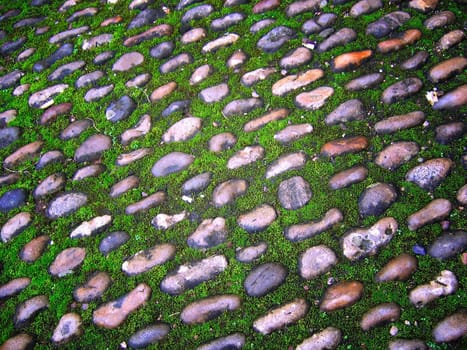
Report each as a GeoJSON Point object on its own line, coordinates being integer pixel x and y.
{"type": "Point", "coordinates": [396, 154]}
{"type": "Point", "coordinates": [193, 35]}
{"type": "Point", "coordinates": [92, 227]}
{"type": "Point", "coordinates": [154, 32]}
{"type": "Point", "coordinates": [287, 162]}
{"type": "Point", "coordinates": [68, 327]}
{"type": "Point", "coordinates": [210, 233]}
{"type": "Point", "coordinates": [196, 184]}
{"type": "Point", "coordinates": [221, 142]}
{"type": "Point", "coordinates": [196, 13]}
{"type": "Point", "coordinates": [449, 132]}
{"type": "Point", "coordinates": [120, 109]}
{"type": "Point", "coordinates": [318, 24]}
{"type": "Point", "coordinates": [50, 157]}
{"type": "Point", "coordinates": [300, 232]}
{"type": "Point", "coordinates": [376, 199]}
{"type": "Point", "coordinates": [124, 186]}
{"type": "Point", "coordinates": [172, 163]}
{"type": "Point", "coordinates": [347, 111]}
{"type": "Point", "coordinates": [423, 5]}
{"type": "Point", "coordinates": [462, 195]}
{"type": "Point", "coordinates": [149, 335]}
{"type": "Point", "coordinates": [228, 191]}
{"type": "Point", "coordinates": [52, 113]}
{"type": "Point", "coordinates": [23, 56]}
{"type": "Point", "coordinates": [65, 204]}
{"type": "Point", "coordinates": [274, 39]}
{"type": "Point", "coordinates": [96, 94]}
{"type": "Point", "coordinates": [112, 20]}
{"type": "Point", "coordinates": [341, 295]}
{"type": "Point", "coordinates": [113, 241]}
{"type": "Point", "coordinates": [146, 259]}
{"type": "Point", "coordinates": [399, 41]}
{"type": "Point", "coordinates": [92, 170]}
{"type": "Point", "coordinates": [265, 5]}
{"type": "Point", "coordinates": [416, 61]}
{"type": "Point", "coordinates": [454, 99]}
{"type": "Point", "coordinates": [364, 7]}
{"type": "Point", "coordinates": [28, 309]}
{"type": "Point", "coordinates": [344, 145]}
{"type": "Point", "coordinates": [451, 328]}
{"type": "Point", "coordinates": [316, 261]}
{"type": "Point", "coordinates": [245, 156]}
{"type": "Point", "coordinates": [294, 193]}
{"type": "Point", "coordinates": [251, 253]}
{"type": "Point", "coordinates": [350, 60]}
{"type": "Point", "coordinates": [328, 338]}
{"type": "Point", "coordinates": [103, 57]}
{"type": "Point", "coordinates": [221, 42]}
{"type": "Point", "coordinates": [182, 130]}
{"type": "Point", "coordinates": [258, 219]}
{"type": "Point", "coordinates": [448, 245]}
{"type": "Point", "coordinates": [406, 344]}
{"type": "Point", "coordinates": [208, 308]}
{"type": "Point", "coordinates": [439, 20]}
{"type": "Point", "coordinates": [430, 173]}
{"type": "Point", "coordinates": [67, 34]}
{"type": "Point", "coordinates": [447, 69]}
{"type": "Point", "coordinates": [258, 123]}
{"type": "Point", "coordinates": [241, 106]}
{"type": "Point", "coordinates": [31, 150]}
{"type": "Point", "coordinates": [214, 93]}
{"type": "Point", "coordinates": [450, 39]}
{"type": "Point", "coordinates": [176, 62]}
{"type": "Point", "coordinates": [253, 77]}
{"type": "Point", "coordinates": [125, 159]}
{"type": "Point", "coordinates": [380, 314]}
{"type": "Point", "coordinates": [162, 50]}
{"type": "Point", "coordinates": [142, 127]}
{"type": "Point", "coordinates": [234, 341]}
{"type": "Point", "coordinates": [12, 199]}
{"type": "Point", "coordinates": [399, 122]}
{"type": "Point", "coordinates": [341, 37]}
{"type": "Point", "coordinates": [262, 24]}
{"type": "Point", "coordinates": [10, 79]}
{"type": "Point", "coordinates": [44, 97]}
{"type": "Point", "coordinates": [147, 203]}
{"type": "Point", "coordinates": [75, 129]}
{"type": "Point", "coordinates": [264, 278]}
{"type": "Point", "coordinates": [89, 79]}
{"type": "Point", "coordinates": [296, 58]}
{"type": "Point", "coordinates": [15, 225]}
{"type": "Point", "coordinates": [67, 261]}
{"type": "Point", "coordinates": [93, 289]}
{"type": "Point", "coordinates": [401, 90]}
{"type": "Point", "coordinates": [387, 23]}
{"type": "Point", "coordinates": [163, 91]}
{"type": "Point", "coordinates": [9, 179]}
{"type": "Point", "coordinates": [296, 81]}
{"type": "Point", "coordinates": [365, 82]}
{"type": "Point", "coordinates": [201, 73]}
{"type": "Point", "coordinates": [21, 341]}
{"type": "Point", "coordinates": [298, 7]}
{"type": "Point", "coordinates": [114, 313]}
{"type": "Point", "coordinates": [14, 287]}
{"type": "Point", "coordinates": [444, 284]}
{"type": "Point", "coordinates": [164, 222]}
{"type": "Point", "coordinates": [314, 99]}
{"type": "Point", "coordinates": [11, 46]}
{"type": "Point", "coordinates": [223, 23]}
{"type": "Point", "coordinates": [399, 268]}
{"type": "Point", "coordinates": [33, 249]}
{"type": "Point", "coordinates": [293, 132]}
{"type": "Point", "coordinates": [7, 116]}
{"type": "Point", "coordinates": [97, 41]}
{"type": "Point", "coordinates": [92, 148]}
{"type": "Point", "coordinates": [146, 17]}
{"type": "Point", "coordinates": [177, 106]}
{"type": "Point", "coordinates": [237, 60]}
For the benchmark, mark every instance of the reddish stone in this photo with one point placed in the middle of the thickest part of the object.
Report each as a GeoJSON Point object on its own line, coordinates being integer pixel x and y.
{"type": "Point", "coordinates": [350, 60]}
{"type": "Point", "coordinates": [345, 145]}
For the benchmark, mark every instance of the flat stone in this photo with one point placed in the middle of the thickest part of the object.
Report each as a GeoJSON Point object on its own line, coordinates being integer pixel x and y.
{"type": "Point", "coordinates": [111, 21]}
{"type": "Point", "coordinates": [462, 195]}
{"type": "Point", "coordinates": [28, 309]}
{"type": "Point", "coordinates": [399, 268]}
{"type": "Point", "coordinates": [52, 113]}
{"type": "Point", "coordinates": [401, 90]}
{"type": "Point", "coordinates": [258, 123]}
{"type": "Point", "coordinates": [364, 7]}
{"type": "Point", "coordinates": [93, 289]}
{"type": "Point", "coordinates": [210, 233]}
{"type": "Point", "coordinates": [264, 279]}
{"type": "Point", "coordinates": [14, 287]}
{"type": "Point", "coordinates": [177, 106]}
{"type": "Point", "coordinates": [227, 39]}
{"type": "Point", "coordinates": [293, 132]}
{"type": "Point", "coordinates": [29, 151]}
{"type": "Point", "coordinates": [347, 111]}
{"type": "Point", "coordinates": [242, 106]}
{"type": "Point", "coordinates": [341, 37]}
{"type": "Point", "coordinates": [7, 116]}
{"type": "Point", "coordinates": [253, 77]}
{"type": "Point", "coordinates": [319, 23]}
{"type": "Point", "coordinates": [234, 341]}
{"type": "Point", "coordinates": [92, 148]}
{"type": "Point", "coordinates": [223, 23]}
{"type": "Point", "coordinates": [344, 145]}
{"type": "Point", "coordinates": [12, 199]}
{"type": "Point", "coordinates": [201, 73]}
{"type": "Point", "coordinates": [124, 186]}
{"type": "Point", "coordinates": [448, 245]}
{"type": "Point", "coordinates": [9, 179]}
{"type": "Point", "coordinates": [430, 173]}
{"type": "Point", "coordinates": [294, 193]}
{"type": "Point", "coordinates": [154, 32]}
{"type": "Point", "coordinates": [50, 157]}
{"type": "Point", "coordinates": [89, 79]}
{"type": "Point", "coordinates": [454, 99]}
{"type": "Point", "coordinates": [449, 132]}
{"type": "Point", "coordinates": [441, 19]}
{"type": "Point", "coordinates": [92, 227]}
{"type": "Point", "coordinates": [142, 127]}
{"type": "Point", "coordinates": [209, 308]}
{"type": "Point", "coordinates": [237, 60]}
{"type": "Point", "coordinates": [300, 6]}
{"type": "Point", "coordinates": [376, 199]}
{"type": "Point", "coordinates": [380, 314]}
{"type": "Point", "coordinates": [164, 221]}
{"type": "Point", "coordinates": [190, 275]}
{"type": "Point", "coordinates": [328, 338]}
{"type": "Point", "coordinates": [172, 163]}
{"type": "Point", "coordinates": [162, 50]}
{"type": "Point", "coordinates": [33, 249]}
{"type": "Point", "coordinates": [227, 192]}
{"type": "Point", "coordinates": [364, 82]}
{"type": "Point", "coordinates": [221, 142]}
{"type": "Point", "coordinates": [96, 41]}
{"type": "Point", "coordinates": [120, 109]}
{"type": "Point", "coordinates": [67, 261]}
{"type": "Point", "coordinates": [146, 259]}
{"type": "Point", "coordinates": [451, 328]}
{"type": "Point", "coordinates": [24, 55]}
{"type": "Point", "coordinates": [436, 210]}
{"type": "Point", "coordinates": [197, 183]}
{"type": "Point", "coordinates": [258, 219]}
{"type": "Point", "coordinates": [114, 313]}
{"type": "Point", "coordinates": [399, 122]}
{"type": "Point", "coordinates": [147, 203]}
{"type": "Point", "coordinates": [193, 35]}
{"type": "Point", "coordinates": [416, 61]}
{"type": "Point", "coordinates": [43, 98]}
{"type": "Point", "coordinates": [139, 81]}
{"type": "Point", "coordinates": [29, 22]}
{"type": "Point", "coordinates": [214, 93]}
{"type": "Point", "coordinates": [316, 261]}
{"type": "Point", "coordinates": [11, 46]}
{"type": "Point", "coordinates": [265, 5]}
{"type": "Point", "coordinates": [75, 129]}
{"type": "Point", "coordinates": [284, 163]}
{"type": "Point", "coordinates": [350, 60]}
{"type": "Point", "coordinates": [341, 295]}
{"type": "Point", "coordinates": [450, 39]}
{"type": "Point", "coordinates": [300, 232]}
{"type": "Point", "coordinates": [362, 242]}
{"type": "Point", "coordinates": [98, 93]}
{"type": "Point", "coordinates": [296, 81]}
{"type": "Point", "coordinates": [182, 130]}
{"type": "Point", "coordinates": [281, 316]}
{"type": "Point", "coordinates": [175, 63]}
{"type": "Point", "coordinates": [68, 327]}
{"type": "Point", "coordinates": [65, 204]}
{"type": "Point", "coordinates": [251, 253]}
{"type": "Point", "coordinates": [163, 91]}
{"type": "Point", "coordinates": [21, 341]}
{"type": "Point", "coordinates": [407, 344]}
{"type": "Point", "coordinates": [146, 17]}
{"type": "Point", "coordinates": [92, 170]}
{"type": "Point", "coordinates": [103, 57]}
{"type": "Point", "coordinates": [245, 156]}
{"type": "Point", "coordinates": [387, 23]}
{"type": "Point", "coordinates": [67, 34]}
{"type": "Point", "coordinates": [274, 39]}
{"type": "Point", "coordinates": [10, 79]}
{"type": "Point", "coordinates": [399, 41]}
{"type": "Point", "coordinates": [196, 13]}
{"type": "Point", "coordinates": [396, 154]}
{"type": "Point", "coordinates": [314, 99]}
{"type": "Point", "coordinates": [296, 58]}
{"type": "Point", "coordinates": [15, 225]}
{"type": "Point", "coordinates": [423, 5]}
{"type": "Point", "coordinates": [149, 335]}
{"type": "Point", "coordinates": [113, 241]}
{"type": "Point", "coordinates": [444, 284]}
{"type": "Point", "coordinates": [51, 184]}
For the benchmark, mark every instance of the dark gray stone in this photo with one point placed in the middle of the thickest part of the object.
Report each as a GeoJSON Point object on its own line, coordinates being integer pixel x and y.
{"type": "Point", "coordinates": [67, 69]}
{"type": "Point", "coordinates": [365, 81]}
{"type": "Point", "coordinates": [12, 199]}
{"type": "Point", "coordinates": [447, 133]}
{"type": "Point", "coordinates": [401, 90]}
{"type": "Point", "coordinates": [120, 109]}
{"type": "Point", "coordinates": [347, 111]}
{"type": "Point", "coordinates": [113, 241]}
{"type": "Point", "coordinates": [88, 79]}
{"type": "Point", "coordinates": [196, 13]}
{"type": "Point", "coordinates": [273, 40]}
{"type": "Point", "coordinates": [10, 79]}
{"type": "Point", "coordinates": [416, 61]}
{"type": "Point", "coordinates": [387, 24]}
{"type": "Point", "coordinates": [162, 50]}
{"type": "Point", "coordinates": [177, 106]}
{"type": "Point", "coordinates": [63, 51]}
{"type": "Point", "coordinates": [448, 245]}
{"type": "Point", "coordinates": [8, 136]}
{"type": "Point", "coordinates": [264, 279]}
{"type": "Point", "coordinates": [196, 183]}
{"type": "Point", "coordinates": [11, 46]}
{"type": "Point", "coordinates": [65, 204]}
{"type": "Point", "coordinates": [376, 198]}
{"type": "Point", "coordinates": [234, 341]}
{"type": "Point", "coordinates": [146, 17]}
{"type": "Point", "coordinates": [149, 335]}
{"type": "Point", "coordinates": [294, 193]}
{"type": "Point", "coordinates": [29, 22]}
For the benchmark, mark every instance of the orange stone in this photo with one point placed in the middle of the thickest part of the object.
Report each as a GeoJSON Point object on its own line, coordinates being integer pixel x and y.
{"type": "Point", "coordinates": [408, 37]}
{"type": "Point", "coordinates": [341, 295]}
{"type": "Point", "coordinates": [112, 20]}
{"type": "Point", "coordinates": [345, 145]}
{"type": "Point", "coordinates": [350, 60]}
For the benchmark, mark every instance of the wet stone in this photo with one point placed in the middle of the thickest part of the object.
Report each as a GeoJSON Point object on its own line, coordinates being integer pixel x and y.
{"type": "Point", "coordinates": [253, 77]}
{"type": "Point", "coordinates": [258, 123]}
{"type": "Point", "coordinates": [172, 163]}
{"type": "Point", "coordinates": [149, 335]}
{"type": "Point", "coordinates": [209, 308]}
{"type": "Point", "coordinates": [328, 338]}
{"type": "Point", "coordinates": [344, 145]}
{"type": "Point", "coordinates": [350, 60]}
{"type": "Point", "coordinates": [447, 69]}
{"type": "Point", "coordinates": [28, 309]}
{"type": "Point", "coordinates": [399, 268]}
{"type": "Point", "coordinates": [380, 314]}
{"type": "Point", "coordinates": [52, 113]}
{"type": "Point", "coordinates": [258, 219]}
{"type": "Point", "coordinates": [293, 132]}
{"type": "Point", "coordinates": [281, 316]}
{"type": "Point", "coordinates": [113, 241]}
{"type": "Point", "coordinates": [221, 142]}
{"type": "Point", "coordinates": [241, 106]}
{"type": "Point", "coordinates": [21, 341]}
{"type": "Point", "coordinates": [234, 341]}
{"type": "Point", "coordinates": [273, 40]}
{"type": "Point", "coordinates": [451, 328]}
{"type": "Point", "coordinates": [67, 261]}
{"type": "Point", "coordinates": [376, 199]}
{"type": "Point", "coordinates": [444, 284]}
{"type": "Point", "coordinates": [314, 99]}
{"type": "Point", "coordinates": [300, 232]}
{"type": "Point", "coordinates": [146, 259]}
{"type": "Point", "coordinates": [251, 253]}
{"type": "Point", "coordinates": [265, 278]}
{"type": "Point", "coordinates": [89, 171]}
{"type": "Point", "coordinates": [68, 327]}
{"type": "Point", "coordinates": [341, 295]}
{"type": "Point", "coordinates": [399, 122]}
{"type": "Point", "coordinates": [265, 5]}
{"type": "Point", "coordinates": [92, 227]}
{"type": "Point", "coordinates": [65, 204]}
{"type": "Point", "coordinates": [147, 203]}
{"type": "Point", "coordinates": [448, 245]}
{"type": "Point", "coordinates": [51, 184]}
{"type": "Point", "coordinates": [286, 163]}
{"type": "Point", "coordinates": [43, 98]}
{"type": "Point", "coordinates": [296, 81]}
{"type": "Point", "coordinates": [33, 249]}
{"type": "Point", "coordinates": [387, 23]}
{"type": "Point", "coordinates": [142, 127]}
{"type": "Point", "coordinates": [214, 93]}
{"type": "Point", "coordinates": [439, 20]}
{"type": "Point", "coordinates": [114, 313]}
{"type": "Point", "coordinates": [177, 106]}
{"type": "Point", "coordinates": [364, 7]}
{"type": "Point", "coordinates": [416, 61]}
{"type": "Point", "coordinates": [223, 41]}
{"type": "Point", "coordinates": [193, 35]}
{"type": "Point", "coordinates": [162, 50]}
{"type": "Point", "coordinates": [10, 79]}
{"type": "Point", "coordinates": [341, 37]}
{"type": "Point", "coordinates": [14, 287]}
{"type": "Point", "coordinates": [262, 24]}
{"type": "Point", "coordinates": [75, 129]}
{"type": "Point", "coordinates": [96, 94]}
{"type": "Point", "coordinates": [96, 41]}
{"type": "Point", "coordinates": [316, 261]}
{"type": "Point", "coordinates": [124, 186]}
{"type": "Point", "coordinates": [245, 156]}
{"type": "Point", "coordinates": [12, 199]}
{"type": "Point", "coordinates": [454, 99]}
{"type": "Point", "coordinates": [430, 173]}
{"type": "Point", "coordinates": [164, 221]}
{"type": "Point", "coordinates": [190, 275]}
{"type": "Point", "coordinates": [294, 193]}
{"type": "Point", "coordinates": [8, 136]}
{"type": "Point", "coordinates": [406, 344]}
{"type": "Point", "coordinates": [120, 109]}
{"type": "Point", "coordinates": [401, 90]}
{"type": "Point", "coordinates": [447, 133]}
{"type": "Point", "coordinates": [347, 111]}
{"type": "Point", "coordinates": [196, 13]}
{"type": "Point", "coordinates": [92, 148]}
{"type": "Point", "coordinates": [146, 17]}
{"type": "Point", "coordinates": [362, 242]}
{"type": "Point", "coordinates": [201, 73]}
{"type": "Point", "coordinates": [210, 233]}
{"type": "Point", "coordinates": [197, 183]}
{"type": "Point", "coordinates": [175, 63]}
{"type": "Point", "coordinates": [163, 91]}
{"type": "Point", "coordinates": [227, 192]}
{"type": "Point", "coordinates": [396, 154]}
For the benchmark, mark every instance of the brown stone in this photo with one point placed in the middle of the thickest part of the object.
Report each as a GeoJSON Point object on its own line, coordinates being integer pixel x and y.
{"type": "Point", "coordinates": [436, 210]}
{"type": "Point", "coordinates": [350, 60]}
{"type": "Point", "coordinates": [296, 81]}
{"type": "Point", "coordinates": [66, 261]}
{"type": "Point", "coordinates": [22, 154]}
{"type": "Point", "coordinates": [345, 145]}
{"type": "Point", "coordinates": [395, 44]}
{"type": "Point", "coordinates": [451, 328]}
{"type": "Point", "coordinates": [314, 99]}
{"type": "Point", "coordinates": [111, 20]}
{"type": "Point", "coordinates": [34, 249]}
{"type": "Point", "coordinates": [447, 69]}
{"type": "Point", "coordinates": [14, 287]}
{"type": "Point", "coordinates": [341, 295]}
{"type": "Point", "coordinates": [258, 123]}
{"type": "Point", "coordinates": [206, 309]}
{"type": "Point", "coordinates": [51, 113]}
{"type": "Point", "coordinates": [94, 287]}
{"type": "Point", "coordinates": [399, 268]}
{"type": "Point", "coordinates": [163, 91]}
{"type": "Point", "coordinates": [380, 314]}
{"type": "Point", "coordinates": [154, 32]}
{"type": "Point", "coordinates": [396, 154]}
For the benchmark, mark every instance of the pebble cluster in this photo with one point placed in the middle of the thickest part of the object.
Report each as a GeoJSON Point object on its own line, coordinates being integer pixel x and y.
{"type": "Point", "coordinates": [80, 60]}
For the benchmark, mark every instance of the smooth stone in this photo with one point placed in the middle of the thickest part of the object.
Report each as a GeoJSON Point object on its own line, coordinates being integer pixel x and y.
{"type": "Point", "coordinates": [316, 261]}
{"type": "Point", "coordinates": [223, 23]}
{"type": "Point", "coordinates": [182, 130]}
{"type": "Point", "coordinates": [376, 199]}
{"type": "Point", "coordinates": [461, 195]}
{"type": "Point", "coordinates": [209, 308]}
{"type": "Point", "coordinates": [293, 132]}
{"type": "Point", "coordinates": [317, 24]}
{"type": "Point", "coordinates": [364, 7]}
{"type": "Point", "coordinates": [450, 39]}
{"type": "Point", "coordinates": [430, 173]}
{"type": "Point", "coordinates": [294, 193]}
{"type": "Point", "coordinates": [258, 123]}
{"type": "Point", "coordinates": [114, 313]}
{"type": "Point", "coordinates": [258, 219]}
{"type": "Point", "coordinates": [214, 93]}
{"type": "Point", "coordinates": [67, 34]}
{"type": "Point", "coordinates": [447, 69]}
{"type": "Point", "coordinates": [201, 73]}
{"type": "Point", "coordinates": [149, 335]}
{"type": "Point", "coordinates": [196, 13]}
{"type": "Point", "coordinates": [401, 90]}
{"type": "Point", "coordinates": [253, 77]}
{"type": "Point", "coordinates": [281, 316]}
{"type": "Point", "coordinates": [113, 241]}
{"type": "Point", "coordinates": [162, 50]}
{"type": "Point", "coordinates": [190, 275]}
{"type": "Point", "coordinates": [380, 314]}
{"type": "Point", "coordinates": [423, 5]}
{"type": "Point", "coordinates": [275, 39]}
{"type": "Point", "coordinates": [329, 338]}
{"type": "Point", "coordinates": [163, 91]}
{"type": "Point", "coordinates": [284, 163]}
{"type": "Point", "coordinates": [75, 129]}
{"type": "Point", "coordinates": [172, 163]}
{"type": "Point", "coordinates": [67, 261]}
{"type": "Point", "coordinates": [296, 81]}
{"type": "Point", "coordinates": [210, 233]}
{"type": "Point", "coordinates": [454, 99]}
{"type": "Point", "coordinates": [449, 132]}
{"type": "Point", "coordinates": [92, 227]}
{"type": "Point", "coordinates": [65, 204]}
{"type": "Point", "coordinates": [341, 37]}
{"type": "Point", "coordinates": [245, 156]}
{"type": "Point", "coordinates": [11, 46]}
{"type": "Point", "coordinates": [221, 42]}
{"type": "Point", "coordinates": [300, 232]}
{"type": "Point", "coordinates": [347, 111]}
{"type": "Point", "coordinates": [23, 56]}
{"type": "Point", "coordinates": [29, 22]}
{"type": "Point", "coordinates": [399, 122]}
{"type": "Point", "coordinates": [231, 3]}
{"type": "Point", "coordinates": [399, 268]}
{"type": "Point", "coordinates": [52, 113]}
{"type": "Point", "coordinates": [234, 341]}
{"type": "Point", "coordinates": [21, 341]}
{"type": "Point", "coordinates": [28, 309]}
{"type": "Point", "coordinates": [10, 79]}
{"type": "Point", "coordinates": [296, 58]}
{"type": "Point", "coordinates": [439, 20]}
{"type": "Point", "coordinates": [33, 249]}
{"type": "Point", "coordinates": [125, 159]}
{"type": "Point", "coordinates": [92, 170]}
{"type": "Point", "coordinates": [448, 245]}
{"type": "Point", "coordinates": [444, 284]}
{"type": "Point", "coordinates": [227, 192]}
{"type": "Point", "coordinates": [396, 154]}
{"type": "Point", "coordinates": [222, 142]}
{"type": "Point", "coordinates": [123, 186]}
{"type": "Point", "coordinates": [193, 35]}
{"type": "Point", "coordinates": [140, 4]}
{"type": "Point", "coordinates": [265, 5]}
{"type": "Point", "coordinates": [164, 221]}
{"type": "Point", "coordinates": [44, 97]}
{"type": "Point", "coordinates": [407, 344]}
{"type": "Point", "coordinates": [146, 17]}
{"type": "Point", "coordinates": [12, 199]}
{"type": "Point", "coordinates": [387, 23]}
{"type": "Point", "coordinates": [251, 253]}
{"type": "Point", "coordinates": [264, 279]}
{"type": "Point", "coordinates": [451, 328]}
{"type": "Point", "coordinates": [9, 179]}
{"type": "Point", "coordinates": [99, 40]}
{"type": "Point", "coordinates": [95, 286]}
{"type": "Point", "coordinates": [362, 242]}
{"type": "Point", "coordinates": [344, 145]}
{"type": "Point", "coordinates": [364, 82]}
{"type": "Point", "coordinates": [98, 93]}
{"type": "Point", "coordinates": [197, 183]}
{"type": "Point", "coordinates": [68, 327]}
{"type": "Point", "coordinates": [154, 32]}
{"type": "Point", "coordinates": [177, 106]}
{"type": "Point", "coordinates": [416, 61]}
{"type": "Point", "coordinates": [176, 62]}
{"type": "Point", "coordinates": [184, 3]}
{"type": "Point", "coordinates": [241, 106]}
{"type": "Point", "coordinates": [51, 184]}
{"type": "Point", "coordinates": [350, 60]}
{"type": "Point", "coordinates": [15, 225]}
{"type": "Point", "coordinates": [146, 259]}
{"type": "Point", "coordinates": [300, 6]}
{"type": "Point", "coordinates": [120, 109]}
{"type": "Point", "coordinates": [399, 41]}
{"type": "Point", "coordinates": [14, 287]}
{"type": "Point", "coordinates": [87, 12]}
{"type": "Point", "coordinates": [146, 203]}
{"type": "Point", "coordinates": [436, 210]}
{"type": "Point", "coordinates": [103, 57]}
{"type": "Point", "coordinates": [92, 148]}
{"type": "Point", "coordinates": [341, 295]}
{"type": "Point", "coordinates": [142, 127]}
{"type": "Point", "coordinates": [50, 157]}
{"type": "Point", "coordinates": [314, 99]}
{"type": "Point", "coordinates": [21, 89]}
{"type": "Point", "coordinates": [237, 60]}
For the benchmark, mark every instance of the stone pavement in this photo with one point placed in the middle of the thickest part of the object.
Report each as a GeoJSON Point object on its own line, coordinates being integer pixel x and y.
{"type": "Point", "coordinates": [240, 174]}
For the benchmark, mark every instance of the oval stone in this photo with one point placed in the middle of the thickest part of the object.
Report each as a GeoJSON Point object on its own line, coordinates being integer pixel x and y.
{"type": "Point", "coordinates": [348, 177]}
{"type": "Point", "coordinates": [341, 295]}
{"type": "Point", "coordinates": [380, 314]}
{"type": "Point", "coordinates": [210, 233]}
{"type": "Point", "coordinates": [183, 130]}
{"type": "Point", "coordinates": [14, 287]}
{"type": "Point", "coordinates": [264, 278]}
{"type": "Point", "coordinates": [28, 309]}
{"type": "Point", "coordinates": [436, 210]}
{"type": "Point", "coordinates": [208, 308]}
{"type": "Point", "coordinates": [376, 199]}
{"type": "Point", "coordinates": [68, 327]}
{"type": "Point", "coordinates": [15, 226]}
{"type": "Point", "coordinates": [316, 261]}
{"type": "Point", "coordinates": [401, 90]}
{"type": "Point", "coordinates": [65, 204]}
{"type": "Point", "coordinates": [67, 261]}
{"type": "Point", "coordinates": [34, 248]}
{"type": "Point", "coordinates": [399, 268]}
{"type": "Point", "coordinates": [113, 241]}
{"type": "Point", "coordinates": [234, 341]}
{"type": "Point", "coordinates": [172, 163]}
{"type": "Point", "coordinates": [431, 173]}
{"type": "Point", "coordinates": [92, 148]}
{"type": "Point", "coordinates": [396, 154]}
{"type": "Point", "coordinates": [94, 287]}
{"type": "Point", "coordinates": [448, 245]}
{"type": "Point", "coordinates": [451, 328]}
{"type": "Point", "coordinates": [226, 192]}
{"type": "Point", "coordinates": [149, 335]}
{"type": "Point", "coordinates": [328, 338]}
{"type": "Point", "coordinates": [294, 193]}
{"type": "Point", "coordinates": [258, 219]}
{"type": "Point", "coordinates": [147, 259]}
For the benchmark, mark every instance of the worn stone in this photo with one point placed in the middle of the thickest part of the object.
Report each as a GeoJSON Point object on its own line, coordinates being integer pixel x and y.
{"type": "Point", "coordinates": [67, 34]}
{"type": "Point", "coordinates": [22, 341]}
{"type": "Point", "coordinates": [75, 129]}
{"type": "Point", "coordinates": [258, 123]}
{"type": "Point", "coordinates": [142, 127]}
{"type": "Point", "coordinates": [51, 184]}
{"type": "Point", "coordinates": [316, 261]}
{"type": "Point", "coordinates": [364, 7]}
{"type": "Point", "coordinates": [430, 173]}
{"type": "Point", "coordinates": [444, 284]}
{"type": "Point", "coordinates": [454, 99]}
{"type": "Point", "coordinates": [296, 81]}
{"type": "Point", "coordinates": [341, 295]}
{"type": "Point", "coordinates": [206, 309]}
{"type": "Point", "coordinates": [376, 199]}
{"type": "Point", "coordinates": [182, 130]}
{"type": "Point", "coordinates": [416, 61]}
{"type": "Point", "coordinates": [396, 154]}
{"type": "Point", "coordinates": [341, 37]}
{"type": "Point", "coordinates": [92, 227]}
{"type": "Point", "coordinates": [197, 13]}
{"type": "Point", "coordinates": [234, 341]}
{"type": "Point", "coordinates": [450, 39]}
{"type": "Point", "coordinates": [10, 79]}
{"type": "Point", "coordinates": [245, 156]}
{"type": "Point", "coordinates": [380, 314]}
{"type": "Point", "coordinates": [344, 145]}
{"type": "Point", "coordinates": [439, 20]}
{"type": "Point", "coordinates": [274, 39]}
{"type": "Point", "coordinates": [294, 193]}
{"type": "Point", "coordinates": [33, 249]}
{"type": "Point", "coordinates": [328, 338]}
{"type": "Point", "coordinates": [241, 106]}
{"type": "Point", "coordinates": [387, 23]}
{"type": "Point", "coordinates": [172, 163]}
{"type": "Point", "coordinates": [113, 241]}
{"type": "Point", "coordinates": [251, 253]}
{"type": "Point", "coordinates": [299, 232]}
{"type": "Point", "coordinates": [262, 24]}
{"type": "Point", "coordinates": [50, 157]}
{"type": "Point", "coordinates": [146, 17]}
{"type": "Point", "coordinates": [68, 327]}
{"type": "Point", "coordinates": [399, 268]}
{"type": "Point", "coordinates": [193, 35]}
{"type": "Point", "coordinates": [296, 58]}
{"type": "Point", "coordinates": [175, 63]}
{"type": "Point", "coordinates": [89, 79]}
{"type": "Point", "coordinates": [92, 148]}
{"type": "Point", "coordinates": [162, 50]}
{"type": "Point", "coordinates": [44, 98]}
{"type": "Point", "coordinates": [65, 204]}
{"type": "Point", "coordinates": [407, 344]}
{"type": "Point", "coordinates": [15, 225]}
{"type": "Point", "coordinates": [201, 73]}
{"type": "Point", "coordinates": [221, 142]}
{"type": "Point", "coordinates": [97, 93]}
{"type": "Point", "coordinates": [146, 259]}
{"type": "Point", "coordinates": [177, 106]}
{"type": "Point", "coordinates": [223, 23]}
{"type": "Point", "coordinates": [103, 57]}
{"type": "Point", "coordinates": [14, 287]}
{"type": "Point", "coordinates": [401, 90]}
{"type": "Point", "coordinates": [449, 132]}
{"type": "Point", "coordinates": [448, 245]}
{"type": "Point", "coordinates": [164, 221]}
{"type": "Point", "coordinates": [257, 219]}
{"type": "Point", "coordinates": [125, 159]}
{"type": "Point", "coordinates": [293, 132]}
{"type": "Point", "coordinates": [52, 113]}
{"type": "Point", "coordinates": [399, 41]}
{"type": "Point", "coordinates": [399, 122]}
{"type": "Point", "coordinates": [28, 309]}
{"type": "Point", "coordinates": [197, 183]}
{"type": "Point", "coordinates": [228, 191]}
{"type": "Point", "coordinates": [93, 289]}
{"type": "Point", "coordinates": [347, 111]}
{"type": "Point", "coordinates": [314, 99]}
{"type": "Point", "coordinates": [89, 171]}
{"type": "Point", "coordinates": [67, 261]}
{"type": "Point", "coordinates": [350, 60]}
{"type": "Point", "coordinates": [451, 328]}
{"type": "Point", "coordinates": [163, 91]}
{"type": "Point", "coordinates": [264, 278]}
{"type": "Point", "coordinates": [210, 233]}
{"type": "Point", "coordinates": [298, 7]}
{"type": "Point", "coordinates": [12, 199]}
{"type": "Point", "coordinates": [149, 335]}
{"type": "Point", "coordinates": [253, 77]}
{"type": "Point", "coordinates": [154, 32]}
{"type": "Point", "coordinates": [286, 163]}
{"type": "Point", "coordinates": [147, 203]}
